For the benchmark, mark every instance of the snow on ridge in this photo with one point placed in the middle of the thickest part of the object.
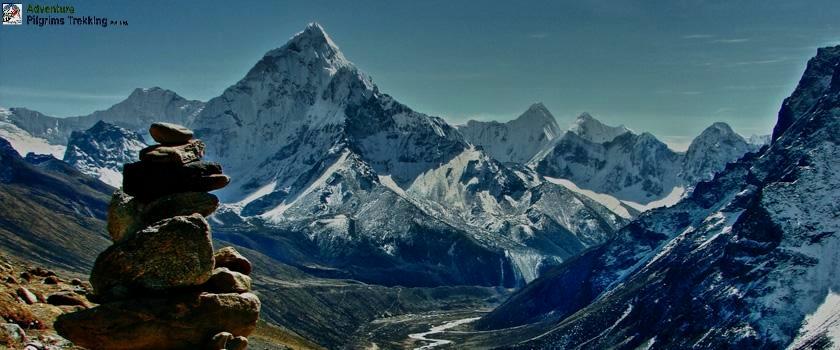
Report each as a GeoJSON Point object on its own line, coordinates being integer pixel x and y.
{"type": "Point", "coordinates": [24, 142]}
{"type": "Point", "coordinates": [613, 204]}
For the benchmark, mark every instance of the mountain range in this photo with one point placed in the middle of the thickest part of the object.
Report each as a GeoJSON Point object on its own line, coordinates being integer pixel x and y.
{"type": "Point", "coordinates": [609, 237]}
{"type": "Point", "coordinates": [348, 179]}
{"type": "Point", "coordinates": [748, 260]}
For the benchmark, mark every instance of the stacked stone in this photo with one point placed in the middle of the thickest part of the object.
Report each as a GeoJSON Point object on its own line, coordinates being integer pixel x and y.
{"type": "Point", "coordinates": [160, 285]}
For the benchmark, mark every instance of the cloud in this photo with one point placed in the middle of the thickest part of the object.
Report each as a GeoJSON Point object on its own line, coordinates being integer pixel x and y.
{"type": "Point", "coordinates": [698, 36]}
{"type": "Point", "coordinates": [767, 61]}
{"type": "Point", "coordinates": [679, 92]}
{"type": "Point", "coordinates": [538, 35]}
{"type": "Point", "coordinates": [60, 94]}
{"type": "Point", "coordinates": [731, 41]}
{"type": "Point", "coordinates": [677, 143]}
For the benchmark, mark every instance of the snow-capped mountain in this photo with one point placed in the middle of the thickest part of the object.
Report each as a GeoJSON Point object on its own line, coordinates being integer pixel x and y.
{"type": "Point", "coordinates": [709, 152]}
{"type": "Point", "coordinates": [141, 108]}
{"type": "Point", "coordinates": [517, 140]}
{"type": "Point", "coordinates": [635, 170]}
{"type": "Point", "coordinates": [758, 140]}
{"type": "Point", "coordinates": [362, 186]}
{"type": "Point", "coordinates": [102, 150]}
{"type": "Point", "coordinates": [24, 142]}
{"type": "Point", "coordinates": [630, 167]}
{"type": "Point", "coordinates": [591, 129]}
{"type": "Point", "coordinates": [748, 260]}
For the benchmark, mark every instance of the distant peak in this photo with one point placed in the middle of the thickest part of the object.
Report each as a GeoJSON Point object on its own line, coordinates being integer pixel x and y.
{"type": "Point", "coordinates": [586, 116]}
{"type": "Point", "coordinates": [537, 113]}
{"type": "Point", "coordinates": [721, 127]}
{"type": "Point", "coordinates": [152, 91]}
{"type": "Point", "coordinates": [538, 107]}
{"type": "Point", "coordinates": [587, 127]}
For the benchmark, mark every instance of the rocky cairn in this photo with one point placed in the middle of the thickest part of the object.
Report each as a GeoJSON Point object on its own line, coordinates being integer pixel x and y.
{"type": "Point", "coordinates": [160, 285]}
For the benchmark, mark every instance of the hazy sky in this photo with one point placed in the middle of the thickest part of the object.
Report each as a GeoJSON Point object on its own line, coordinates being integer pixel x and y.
{"type": "Point", "coordinates": [668, 67]}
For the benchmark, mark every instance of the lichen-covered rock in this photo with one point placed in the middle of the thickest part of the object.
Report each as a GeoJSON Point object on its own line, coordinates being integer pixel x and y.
{"type": "Point", "coordinates": [180, 154]}
{"type": "Point", "coordinates": [229, 257]}
{"type": "Point", "coordinates": [173, 253]}
{"type": "Point", "coordinates": [185, 321]}
{"type": "Point", "coordinates": [170, 134]}
{"type": "Point", "coordinates": [122, 215]}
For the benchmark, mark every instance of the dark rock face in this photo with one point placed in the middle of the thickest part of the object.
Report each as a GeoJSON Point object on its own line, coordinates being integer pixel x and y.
{"type": "Point", "coordinates": [102, 150]}
{"type": "Point", "coordinates": [185, 321]}
{"type": "Point", "coordinates": [174, 253]}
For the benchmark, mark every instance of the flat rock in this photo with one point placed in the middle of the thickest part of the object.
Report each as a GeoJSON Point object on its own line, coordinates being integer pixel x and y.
{"type": "Point", "coordinates": [175, 252]}
{"type": "Point", "coordinates": [186, 321]}
{"type": "Point", "coordinates": [229, 257]}
{"type": "Point", "coordinates": [148, 181]}
{"type": "Point", "coordinates": [181, 154]}
{"type": "Point", "coordinates": [224, 280]}
{"type": "Point", "coordinates": [170, 134]}
{"type": "Point", "coordinates": [179, 204]}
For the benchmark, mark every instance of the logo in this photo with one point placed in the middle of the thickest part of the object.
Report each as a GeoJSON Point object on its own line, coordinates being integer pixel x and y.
{"type": "Point", "coordinates": [12, 14]}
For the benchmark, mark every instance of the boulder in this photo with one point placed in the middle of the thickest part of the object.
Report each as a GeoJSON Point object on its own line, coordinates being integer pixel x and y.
{"type": "Point", "coordinates": [180, 154]}
{"type": "Point", "coordinates": [11, 335]}
{"type": "Point", "coordinates": [148, 181]}
{"type": "Point", "coordinates": [233, 260]}
{"type": "Point", "coordinates": [185, 321]}
{"type": "Point", "coordinates": [227, 281]}
{"type": "Point", "coordinates": [170, 134]}
{"type": "Point", "coordinates": [237, 343]}
{"type": "Point", "coordinates": [179, 204]}
{"type": "Point", "coordinates": [219, 341]}
{"type": "Point", "coordinates": [122, 215]}
{"type": "Point", "coordinates": [173, 253]}
{"type": "Point", "coordinates": [52, 280]}
{"type": "Point", "coordinates": [65, 298]}
{"type": "Point", "coordinates": [27, 296]}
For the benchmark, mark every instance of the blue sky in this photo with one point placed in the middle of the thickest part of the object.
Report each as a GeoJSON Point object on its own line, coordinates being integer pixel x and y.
{"type": "Point", "coordinates": [668, 67]}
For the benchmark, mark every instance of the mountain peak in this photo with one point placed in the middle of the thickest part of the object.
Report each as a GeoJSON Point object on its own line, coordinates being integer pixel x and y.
{"type": "Point", "coordinates": [587, 127]}
{"type": "Point", "coordinates": [153, 93]}
{"type": "Point", "coordinates": [537, 113]}
{"type": "Point", "coordinates": [722, 127]}
{"type": "Point", "coordinates": [312, 42]}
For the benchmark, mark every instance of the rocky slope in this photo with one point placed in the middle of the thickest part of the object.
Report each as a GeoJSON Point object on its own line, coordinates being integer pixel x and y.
{"type": "Point", "coordinates": [517, 140]}
{"type": "Point", "coordinates": [70, 208]}
{"type": "Point", "coordinates": [748, 260]}
{"type": "Point", "coordinates": [102, 150]}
